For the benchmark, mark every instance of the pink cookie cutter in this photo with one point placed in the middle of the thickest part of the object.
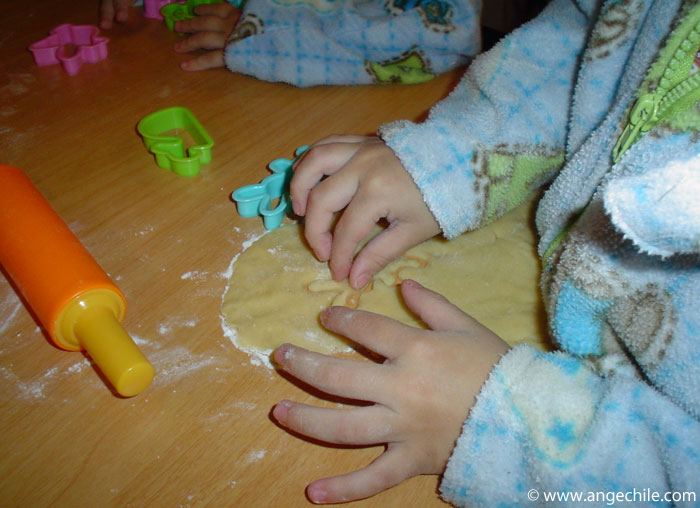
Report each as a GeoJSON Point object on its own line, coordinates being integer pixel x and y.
{"type": "Point", "coordinates": [90, 47]}
{"type": "Point", "coordinates": [151, 8]}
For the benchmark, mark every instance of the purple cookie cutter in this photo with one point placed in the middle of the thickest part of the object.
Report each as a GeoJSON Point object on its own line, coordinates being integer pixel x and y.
{"type": "Point", "coordinates": [90, 47]}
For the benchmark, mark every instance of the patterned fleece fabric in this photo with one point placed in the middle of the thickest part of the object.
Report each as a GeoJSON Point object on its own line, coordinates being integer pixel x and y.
{"type": "Point", "coordinates": [599, 100]}
{"type": "Point", "coordinates": [342, 42]}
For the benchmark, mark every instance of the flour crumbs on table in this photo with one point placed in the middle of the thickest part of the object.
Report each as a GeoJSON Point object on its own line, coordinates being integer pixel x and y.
{"type": "Point", "coordinates": [168, 327]}
{"type": "Point", "coordinates": [194, 275]}
{"type": "Point", "coordinates": [175, 363]}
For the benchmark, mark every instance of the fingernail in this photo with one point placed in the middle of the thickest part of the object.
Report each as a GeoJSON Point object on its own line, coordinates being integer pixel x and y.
{"type": "Point", "coordinates": [361, 281]}
{"type": "Point", "coordinates": [316, 494]}
{"type": "Point", "coordinates": [283, 353]}
{"type": "Point", "coordinates": [281, 410]}
{"type": "Point", "coordinates": [325, 315]}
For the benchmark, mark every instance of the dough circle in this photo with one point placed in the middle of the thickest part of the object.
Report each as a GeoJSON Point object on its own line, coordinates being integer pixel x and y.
{"type": "Point", "coordinates": [277, 288]}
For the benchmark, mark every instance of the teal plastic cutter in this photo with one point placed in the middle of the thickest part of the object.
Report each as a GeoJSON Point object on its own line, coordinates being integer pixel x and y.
{"type": "Point", "coordinates": [254, 200]}
{"type": "Point", "coordinates": [170, 149]}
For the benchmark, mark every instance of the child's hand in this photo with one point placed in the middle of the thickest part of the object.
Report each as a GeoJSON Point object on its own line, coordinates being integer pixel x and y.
{"type": "Point", "coordinates": [367, 181]}
{"type": "Point", "coordinates": [422, 393]}
{"type": "Point", "coordinates": [111, 10]}
{"type": "Point", "coordinates": [210, 30]}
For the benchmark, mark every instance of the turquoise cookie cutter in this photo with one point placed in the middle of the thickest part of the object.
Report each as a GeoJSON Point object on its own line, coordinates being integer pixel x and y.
{"type": "Point", "coordinates": [169, 149]}
{"type": "Point", "coordinates": [174, 12]}
{"type": "Point", "coordinates": [254, 200]}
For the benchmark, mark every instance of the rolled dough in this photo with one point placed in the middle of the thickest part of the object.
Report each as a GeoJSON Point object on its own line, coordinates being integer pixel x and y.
{"type": "Point", "coordinates": [277, 288]}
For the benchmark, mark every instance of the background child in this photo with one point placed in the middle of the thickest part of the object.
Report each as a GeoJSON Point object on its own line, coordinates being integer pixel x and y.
{"type": "Point", "coordinates": [209, 30]}
{"type": "Point", "coordinates": [600, 98]}
{"type": "Point", "coordinates": [322, 42]}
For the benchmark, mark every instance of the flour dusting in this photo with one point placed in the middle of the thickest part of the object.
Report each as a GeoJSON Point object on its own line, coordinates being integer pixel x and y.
{"type": "Point", "coordinates": [33, 389]}
{"type": "Point", "coordinates": [145, 231]}
{"type": "Point", "coordinates": [8, 311]}
{"type": "Point", "coordinates": [194, 275]}
{"type": "Point", "coordinates": [175, 363]}
{"type": "Point", "coordinates": [256, 455]}
{"type": "Point", "coordinates": [257, 358]}
{"type": "Point", "coordinates": [167, 327]}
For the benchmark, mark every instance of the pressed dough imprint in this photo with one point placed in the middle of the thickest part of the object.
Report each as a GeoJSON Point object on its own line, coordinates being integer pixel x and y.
{"type": "Point", "coordinates": [277, 287]}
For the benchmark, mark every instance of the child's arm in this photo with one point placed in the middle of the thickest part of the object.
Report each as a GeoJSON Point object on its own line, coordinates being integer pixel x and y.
{"type": "Point", "coordinates": [111, 10]}
{"type": "Point", "coordinates": [210, 30]}
{"type": "Point", "coordinates": [544, 427]}
{"type": "Point", "coordinates": [498, 136]}
{"type": "Point", "coordinates": [502, 132]}
{"type": "Point", "coordinates": [368, 183]}
{"type": "Point", "coordinates": [421, 393]}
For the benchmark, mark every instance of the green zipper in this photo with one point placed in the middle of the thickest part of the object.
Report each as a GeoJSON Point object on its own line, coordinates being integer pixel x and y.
{"type": "Point", "coordinates": [677, 90]}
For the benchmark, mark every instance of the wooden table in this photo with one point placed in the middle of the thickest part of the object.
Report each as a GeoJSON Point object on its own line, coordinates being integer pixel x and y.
{"type": "Point", "coordinates": [201, 434]}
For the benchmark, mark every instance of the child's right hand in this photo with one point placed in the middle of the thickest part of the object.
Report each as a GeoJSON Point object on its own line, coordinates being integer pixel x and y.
{"type": "Point", "coordinates": [111, 10]}
{"type": "Point", "coordinates": [367, 182]}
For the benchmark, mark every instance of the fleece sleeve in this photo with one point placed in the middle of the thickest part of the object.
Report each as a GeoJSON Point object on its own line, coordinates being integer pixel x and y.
{"type": "Point", "coordinates": [548, 431]}
{"type": "Point", "coordinates": [343, 42]}
{"type": "Point", "coordinates": [502, 131]}
{"type": "Point", "coordinates": [659, 209]}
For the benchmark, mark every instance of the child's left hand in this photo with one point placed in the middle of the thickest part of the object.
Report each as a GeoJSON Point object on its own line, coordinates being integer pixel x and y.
{"type": "Point", "coordinates": [422, 393]}
{"type": "Point", "coordinates": [210, 30]}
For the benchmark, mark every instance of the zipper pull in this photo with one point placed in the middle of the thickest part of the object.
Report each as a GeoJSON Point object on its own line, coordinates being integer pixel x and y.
{"type": "Point", "coordinates": [642, 119]}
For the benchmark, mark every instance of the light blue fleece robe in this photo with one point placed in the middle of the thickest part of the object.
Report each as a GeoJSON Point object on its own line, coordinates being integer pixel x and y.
{"type": "Point", "coordinates": [616, 410]}
{"type": "Point", "coordinates": [341, 42]}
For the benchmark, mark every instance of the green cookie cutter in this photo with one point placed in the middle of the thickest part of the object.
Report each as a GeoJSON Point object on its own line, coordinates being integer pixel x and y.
{"type": "Point", "coordinates": [172, 13]}
{"type": "Point", "coordinates": [170, 149]}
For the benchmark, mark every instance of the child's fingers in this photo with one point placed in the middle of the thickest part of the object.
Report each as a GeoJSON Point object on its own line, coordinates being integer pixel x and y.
{"type": "Point", "coordinates": [106, 14]}
{"type": "Point", "coordinates": [389, 469]}
{"type": "Point", "coordinates": [438, 313]}
{"type": "Point", "coordinates": [122, 10]}
{"type": "Point", "coordinates": [340, 138]}
{"type": "Point", "coordinates": [322, 159]}
{"type": "Point", "coordinates": [111, 10]}
{"type": "Point", "coordinates": [383, 248]}
{"type": "Point", "coordinates": [356, 426]}
{"type": "Point", "coordinates": [201, 40]}
{"type": "Point", "coordinates": [203, 24]}
{"type": "Point", "coordinates": [328, 197]}
{"type": "Point", "coordinates": [210, 60]}
{"type": "Point", "coordinates": [357, 221]}
{"type": "Point", "coordinates": [380, 334]}
{"type": "Point", "coordinates": [219, 9]}
{"type": "Point", "coordinates": [434, 309]}
{"type": "Point", "coordinates": [336, 376]}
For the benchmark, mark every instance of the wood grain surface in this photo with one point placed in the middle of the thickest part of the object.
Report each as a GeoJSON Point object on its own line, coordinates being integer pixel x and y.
{"type": "Point", "coordinates": [201, 435]}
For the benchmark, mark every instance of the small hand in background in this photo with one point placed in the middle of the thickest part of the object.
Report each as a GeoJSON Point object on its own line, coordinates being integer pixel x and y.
{"type": "Point", "coordinates": [113, 10]}
{"type": "Point", "coordinates": [422, 393]}
{"type": "Point", "coordinates": [210, 30]}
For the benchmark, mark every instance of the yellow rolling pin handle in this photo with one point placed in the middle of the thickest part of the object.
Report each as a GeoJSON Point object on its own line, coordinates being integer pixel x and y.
{"type": "Point", "coordinates": [92, 321]}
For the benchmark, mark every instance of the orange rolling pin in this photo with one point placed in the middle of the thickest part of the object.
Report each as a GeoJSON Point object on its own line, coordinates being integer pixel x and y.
{"type": "Point", "coordinates": [72, 297]}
